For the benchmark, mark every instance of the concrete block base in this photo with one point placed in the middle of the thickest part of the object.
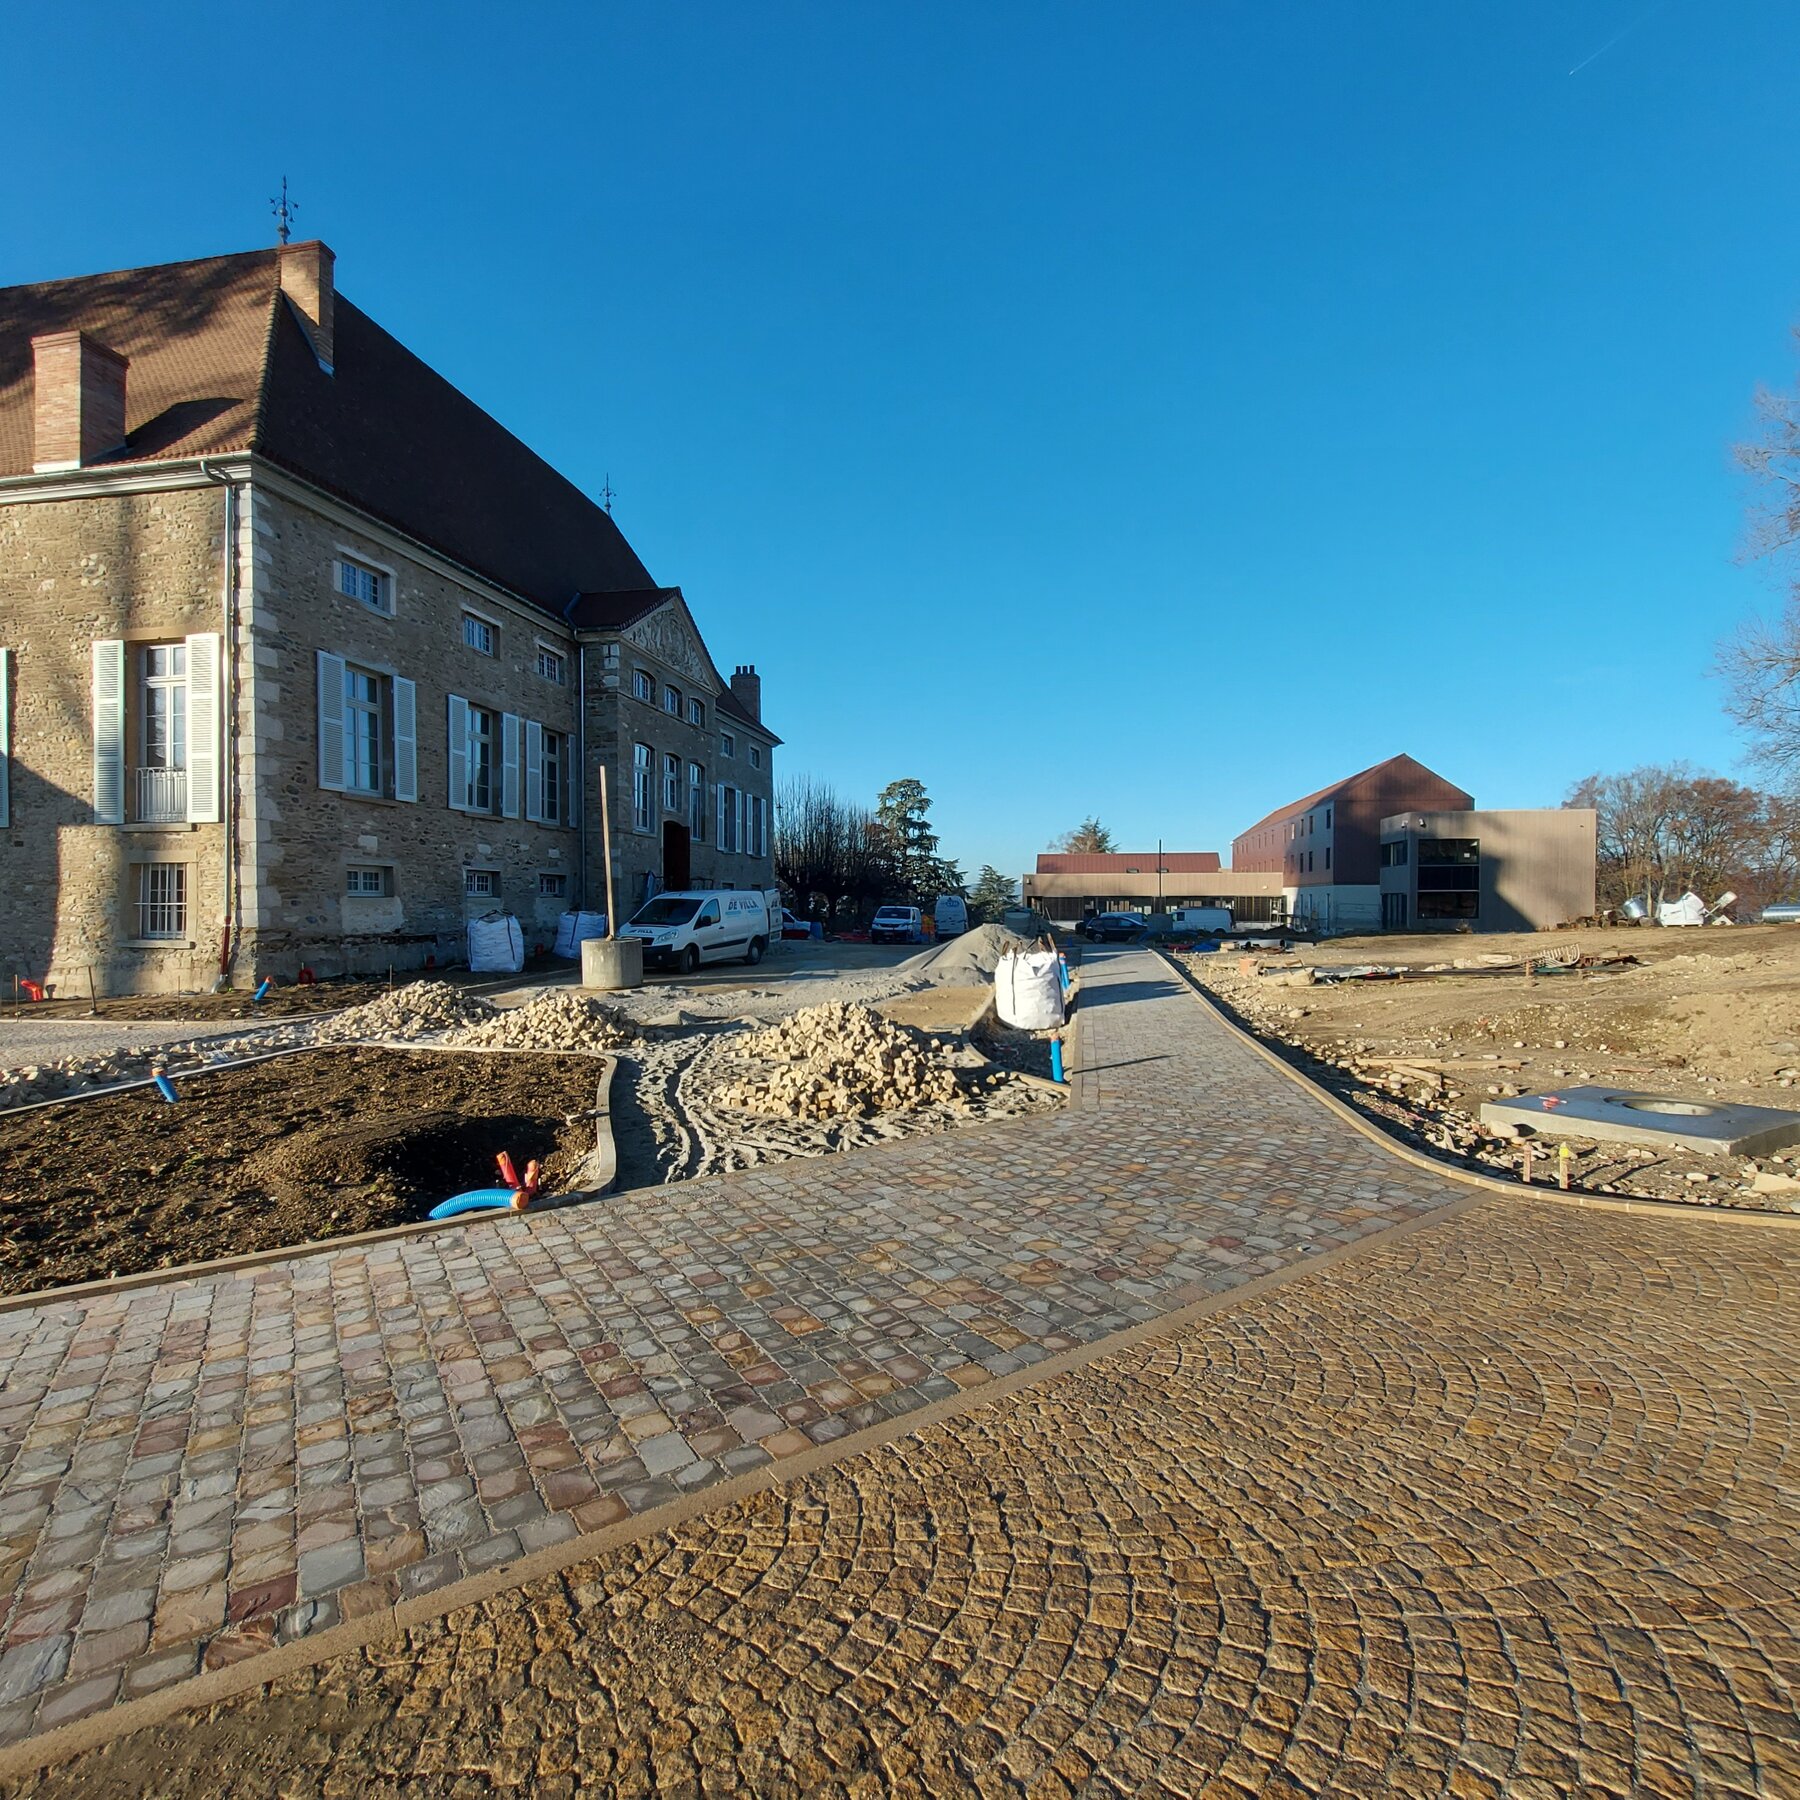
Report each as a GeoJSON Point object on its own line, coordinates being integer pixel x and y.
{"type": "Point", "coordinates": [612, 963]}
{"type": "Point", "coordinates": [1621, 1115]}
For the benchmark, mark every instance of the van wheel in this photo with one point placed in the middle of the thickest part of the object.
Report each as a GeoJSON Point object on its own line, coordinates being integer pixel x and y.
{"type": "Point", "coordinates": [690, 959]}
{"type": "Point", "coordinates": [754, 954]}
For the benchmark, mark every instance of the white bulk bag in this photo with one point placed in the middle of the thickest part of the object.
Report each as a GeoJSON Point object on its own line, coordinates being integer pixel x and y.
{"type": "Point", "coordinates": [496, 945]}
{"type": "Point", "coordinates": [573, 929]}
{"type": "Point", "coordinates": [1028, 989]}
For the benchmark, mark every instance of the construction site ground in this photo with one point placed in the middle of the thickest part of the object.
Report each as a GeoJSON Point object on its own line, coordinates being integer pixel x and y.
{"type": "Point", "coordinates": [283, 1152]}
{"type": "Point", "coordinates": [1708, 1013]}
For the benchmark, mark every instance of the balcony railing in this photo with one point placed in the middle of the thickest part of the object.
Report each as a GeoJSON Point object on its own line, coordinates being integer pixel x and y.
{"type": "Point", "coordinates": [161, 796]}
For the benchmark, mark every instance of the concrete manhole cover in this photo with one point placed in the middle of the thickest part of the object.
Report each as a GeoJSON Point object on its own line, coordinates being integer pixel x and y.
{"type": "Point", "coordinates": [1618, 1115]}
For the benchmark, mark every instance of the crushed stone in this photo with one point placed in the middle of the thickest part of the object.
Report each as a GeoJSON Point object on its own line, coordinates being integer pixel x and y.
{"type": "Point", "coordinates": [556, 1019]}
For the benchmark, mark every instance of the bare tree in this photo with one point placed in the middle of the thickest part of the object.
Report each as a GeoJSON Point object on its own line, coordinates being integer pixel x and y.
{"type": "Point", "coordinates": [828, 856]}
{"type": "Point", "coordinates": [1090, 838]}
{"type": "Point", "coordinates": [1761, 663]}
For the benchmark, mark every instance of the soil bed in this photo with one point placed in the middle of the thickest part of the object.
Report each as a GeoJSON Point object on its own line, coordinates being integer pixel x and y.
{"type": "Point", "coordinates": [278, 1154]}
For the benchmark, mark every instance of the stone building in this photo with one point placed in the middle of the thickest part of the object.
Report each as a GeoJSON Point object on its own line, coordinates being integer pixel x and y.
{"type": "Point", "coordinates": [305, 659]}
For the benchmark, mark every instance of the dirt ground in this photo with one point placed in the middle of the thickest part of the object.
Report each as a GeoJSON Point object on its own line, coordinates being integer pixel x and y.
{"type": "Point", "coordinates": [279, 1153]}
{"type": "Point", "coordinates": [280, 1003]}
{"type": "Point", "coordinates": [1705, 1013]}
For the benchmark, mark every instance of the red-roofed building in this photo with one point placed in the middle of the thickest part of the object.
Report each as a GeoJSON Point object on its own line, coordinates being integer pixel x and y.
{"type": "Point", "coordinates": [1326, 846]}
{"type": "Point", "coordinates": [305, 658]}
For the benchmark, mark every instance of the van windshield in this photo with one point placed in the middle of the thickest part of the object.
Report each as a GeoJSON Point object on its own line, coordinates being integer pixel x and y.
{"type": "Point", "coordinates": [895, 912]}
{"type": "Point", "coordinates": [666, 909]}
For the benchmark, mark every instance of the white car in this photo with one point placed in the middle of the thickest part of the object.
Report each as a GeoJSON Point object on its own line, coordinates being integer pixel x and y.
{"type": "Point", "coordinates": [896, 925]}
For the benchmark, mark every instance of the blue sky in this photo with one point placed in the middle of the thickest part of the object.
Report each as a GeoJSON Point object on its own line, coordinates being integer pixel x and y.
{"type": "Point", "coordinates": [1151, 411]}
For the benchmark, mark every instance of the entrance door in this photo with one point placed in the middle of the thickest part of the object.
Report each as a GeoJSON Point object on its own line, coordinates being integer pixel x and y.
{"type": "Point", "coordinates": [675, 869]}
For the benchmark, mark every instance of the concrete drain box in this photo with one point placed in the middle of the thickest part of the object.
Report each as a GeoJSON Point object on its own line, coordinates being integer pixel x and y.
{"type": "Point", "coordinates": [1621, 1115]}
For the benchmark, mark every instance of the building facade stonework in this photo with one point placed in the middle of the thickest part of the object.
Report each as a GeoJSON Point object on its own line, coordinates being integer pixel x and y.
{"type": "Point", "coordinates": [276, 694]}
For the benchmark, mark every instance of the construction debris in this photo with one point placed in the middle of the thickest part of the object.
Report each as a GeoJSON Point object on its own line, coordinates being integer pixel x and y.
{"type": "Point", "coordinates": [414, 1011]}
{"type": "Point", "coordinates": [553, 1020]}
{"type": "Point", "coordinates": [843, 1060]}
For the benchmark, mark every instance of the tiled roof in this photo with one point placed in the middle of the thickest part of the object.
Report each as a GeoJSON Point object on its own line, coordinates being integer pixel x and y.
{"type": "Point", "coordinates": [219, 361]}
{"type": "Point", "coordinates": [1391, 764]}
{"type": "Point", "coordinates": [1122, 862]}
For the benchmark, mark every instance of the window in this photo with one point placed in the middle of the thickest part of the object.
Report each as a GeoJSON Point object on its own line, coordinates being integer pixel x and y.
{"type": "Point", "coordinates": [727, 744]}
{"type": "Point", "coordinates": [373, 587]}
{"type": "Point", "coordinates": [365, 884]}
{"type": "Point", "coordinates": [756, 756]}
{"type": "Point", "coordinates": [672, 701]}
{"type": "Point", "coordinates": [552, 665]}
{"type": "Point", "coordinates": [478, 759]}
{"type": "Point", "coordinates": [481, 884]}
{"type": "Point", "coordinates": [362, 731]}
{"type": "Point", "coordinates": [1393, 856]}
{"type": "Point", "coordinates": [697, 802]}
{"type": "Point", "coordinates": [672, 784]}
{"type": "Point", "coordinates": [162, 900]}
{"type": "Point", "coordinates": [640, 786]}
{"type": "Point", "coordinates": [1328, 856]}
{"type": "Point", "coordinates": [756, 826]}
{"type": "Point", "coordinates": [696, 712]}
{"type": "Point", "coordinates": [643, 685]}
{"type": "Point", "coordinates": [550, 777]}
{"type": "Point", "coordinates": [552, 887]}
{"type": "Point", "coordinates": [162, 733]}
{"type": "Point", "coordinates": [478, 634]}
{"type": "Point", "coordinates": [1328, 818]}
{"type": "Point", "coordinates": [730, 815]}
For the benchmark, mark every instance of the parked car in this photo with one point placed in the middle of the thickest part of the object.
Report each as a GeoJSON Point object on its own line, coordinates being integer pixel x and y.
{"type": "Point", "coordinates": [951, 915]}
{"type": "Point", "coordinates": [792, 927]}
{"type": "Point", "coordinates": [896, 925]}
{"type": "Point", "coordinates": [706, 925]}
{"type": "Point", "coordinates": [1112, 927]}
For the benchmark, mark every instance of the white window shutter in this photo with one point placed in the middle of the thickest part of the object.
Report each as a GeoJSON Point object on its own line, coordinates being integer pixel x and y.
{"type": "Point", "coordinates": [509, 765]}
{"type": "Point", "coordinates": [534, 769]}
{"type": "Point", "coordinates": [719, 841]}
{"type": "Point", "coordinates": [331, 722]}
{"type": "Point", "coordinates": [5, 738]}
{"type": "Point", "coordinates": [203, 683]}
{"type": "Point", "coordinates": [406, 740]}
{"type": "Point", "coordinates": [109, 731]}
{"type": "Point", "coordinates": [459, 753]}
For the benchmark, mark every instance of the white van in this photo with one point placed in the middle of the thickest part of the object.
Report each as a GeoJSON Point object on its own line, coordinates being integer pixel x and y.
{"type": "Point", "coordinates": [896, 925]}
{"type": "Point", "coordinates": [706, 925]}
{"type": "Point", "coordinates": [1201, 918]}
{"type": "Point", "coordinates": [950, 916]}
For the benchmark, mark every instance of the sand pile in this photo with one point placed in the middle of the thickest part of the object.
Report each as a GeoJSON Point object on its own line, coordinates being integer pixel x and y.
{"type": "Point", "coordinates": [554, 1020]}
{"type": "Point", "coordinates": [413, 1011]}
{"type": "Point", "coordinates": [964, 961]}
{"type": "Point", "coordinates": [842, 1060]}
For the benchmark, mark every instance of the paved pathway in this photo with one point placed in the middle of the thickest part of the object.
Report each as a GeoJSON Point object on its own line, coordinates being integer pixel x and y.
{"type": "Point", "coordinates": [192, 1472]}
{"type": "Point", "coordinates": [1501, 1509]}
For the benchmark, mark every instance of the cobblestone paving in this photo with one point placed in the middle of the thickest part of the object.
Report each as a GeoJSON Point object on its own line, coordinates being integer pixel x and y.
{"type": "Point", "coordinates": [193, 1472]}
{"type": "Point", "coordinates": [1505, 1507]}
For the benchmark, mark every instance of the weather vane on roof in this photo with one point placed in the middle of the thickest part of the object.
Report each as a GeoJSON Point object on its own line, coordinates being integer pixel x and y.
{"type": "Point", "coordinates": [284, 210]}
{"type": "Point", "coordinates": [606, 494]}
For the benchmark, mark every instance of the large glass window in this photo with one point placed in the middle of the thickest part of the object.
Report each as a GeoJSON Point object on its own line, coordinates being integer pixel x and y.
{"type": "Point", "coordinates": [641, 778]}
{"type": "Point", "coordinates": [1449, 878]}
{"type": "Point", "coordinates": [697, 802]}
{"type": "Point", "coordinates": [552, 771]}
{"type": "Point", "coordinates": [362, 731]}
{"type": "Point", "coordinates": [672, 784]}
{"type": "Point", "coordinates": [478, 792]}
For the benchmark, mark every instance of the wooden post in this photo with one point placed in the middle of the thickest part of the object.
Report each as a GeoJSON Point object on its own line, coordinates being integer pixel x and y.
{"type": "Point", "coordinates": [612, 923]}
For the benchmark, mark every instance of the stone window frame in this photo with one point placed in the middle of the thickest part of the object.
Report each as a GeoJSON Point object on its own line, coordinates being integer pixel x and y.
{"type": "Point", "coordinates": [360, 890]}
{"type": "Point", "coordinates": [643, 686]}
{"type": "Point", "coordinates": [387, 577]}
{"type": "Point", "coordinates": [481, 884]}
{"type": "Point", "coordinates": [548, 650]}
{"type": "Point", "coordinates": [473, 616]}
{"type": "Point", "coordinates": [553, 884]}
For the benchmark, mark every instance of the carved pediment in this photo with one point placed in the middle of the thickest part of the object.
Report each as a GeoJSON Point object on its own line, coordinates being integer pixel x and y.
{"type": "Point", "coordinates": [666, 635]}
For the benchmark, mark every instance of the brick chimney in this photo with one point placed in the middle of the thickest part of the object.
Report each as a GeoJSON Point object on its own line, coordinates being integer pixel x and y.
{"type": "Point", "coordinates": [80, 400]}
{"type": "Point", "coordinates": [746, 685]}
{"type": "Point", "coordinates": [306, 279]}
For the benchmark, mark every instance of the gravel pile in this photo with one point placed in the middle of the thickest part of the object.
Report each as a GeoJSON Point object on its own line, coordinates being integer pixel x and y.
{"type": "Point", "coordinates": [842, 1060]}
{"type": "Point", "coordinates": [554, 1020]}
{"type": "Point", "coordinates": [965, 961]}
{"type": "Point", "coordinates": [414, 1011]}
